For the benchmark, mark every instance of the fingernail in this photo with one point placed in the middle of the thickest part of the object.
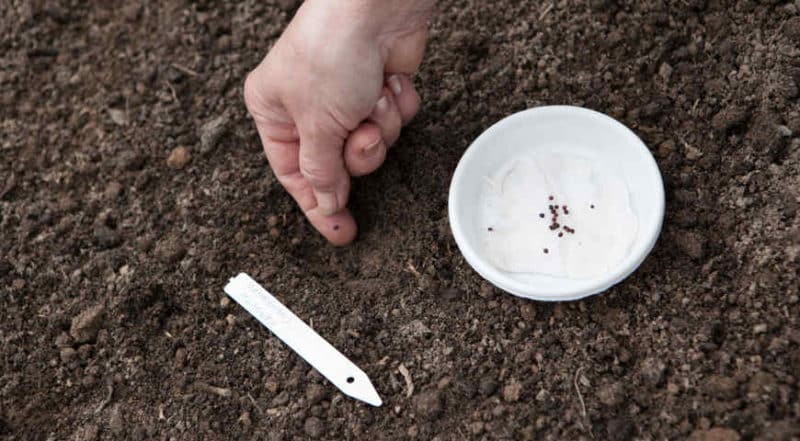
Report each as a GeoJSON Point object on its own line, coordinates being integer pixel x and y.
{"type": "Point", "coordinates": [327, 202]}
{"type": "Point", "coordinates": [372, 148]}
{"type": "Point", "coordinates": [395, 85]}
{"type": "Point", "coordinates": [382, 105]}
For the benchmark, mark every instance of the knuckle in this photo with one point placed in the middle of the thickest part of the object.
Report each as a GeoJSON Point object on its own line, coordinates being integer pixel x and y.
{"type": "Point", "coordinates": [317, 174]}
{"type": "Point", "coordinates": [250, 90]}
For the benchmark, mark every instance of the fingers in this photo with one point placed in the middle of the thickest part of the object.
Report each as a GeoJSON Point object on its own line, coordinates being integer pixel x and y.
{"type": "Point", "coordinates": [405, 96]}
{"type": "Point", "coordinates": [387, 116]}
{"type": "Point", "coordinates": [322, 165]}
{"type": "Point", "coordinates": [365, 150]}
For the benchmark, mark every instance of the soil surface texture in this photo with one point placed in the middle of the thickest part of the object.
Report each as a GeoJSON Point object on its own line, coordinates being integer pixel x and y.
{"type": "Point", "coordinates": [132, 186]}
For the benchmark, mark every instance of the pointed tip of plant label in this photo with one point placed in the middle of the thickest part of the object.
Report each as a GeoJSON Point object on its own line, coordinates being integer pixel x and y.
{"type": "Point", "coordinates": [373, 398]}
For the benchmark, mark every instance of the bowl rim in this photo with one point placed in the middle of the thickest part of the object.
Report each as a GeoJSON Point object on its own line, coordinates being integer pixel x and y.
{"type": "Point", "coordinates": [496, 276]}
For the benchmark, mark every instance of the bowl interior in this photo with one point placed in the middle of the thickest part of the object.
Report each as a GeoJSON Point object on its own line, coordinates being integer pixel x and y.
{"type": "Point", "coordinates": [569, 130]}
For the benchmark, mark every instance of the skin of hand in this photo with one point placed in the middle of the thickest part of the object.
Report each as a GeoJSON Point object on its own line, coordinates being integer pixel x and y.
{"type": "Point", "coordinates": [331, 96]}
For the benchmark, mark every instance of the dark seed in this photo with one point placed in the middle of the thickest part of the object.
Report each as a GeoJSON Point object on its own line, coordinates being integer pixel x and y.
{"type": "Point", "coordinates": [541, 215]}
{"type": "Point", "coordinates": [551, 198]}
{"type": "Point", "coordinates": [591, 206]}
{"type": "Point", "coordinates": [560, 234]}
{"type": "Point", "coordinates": [491, 229]}
{"type": "Point", "coordinates": [335, 227]}
{"type": "Point", "coordinates": [546, 251]}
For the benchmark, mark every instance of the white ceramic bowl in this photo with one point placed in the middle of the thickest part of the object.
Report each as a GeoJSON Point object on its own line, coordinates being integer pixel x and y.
{"type": "Point", "coordinates": [573, 130]}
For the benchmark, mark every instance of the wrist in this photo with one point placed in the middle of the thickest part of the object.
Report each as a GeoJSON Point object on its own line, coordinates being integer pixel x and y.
{"type": "Point", "coordinates": [380, 18]}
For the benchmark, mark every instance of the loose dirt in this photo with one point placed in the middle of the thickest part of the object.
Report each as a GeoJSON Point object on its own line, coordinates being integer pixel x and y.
{"type": "Point", "coordinates": [113, 323]}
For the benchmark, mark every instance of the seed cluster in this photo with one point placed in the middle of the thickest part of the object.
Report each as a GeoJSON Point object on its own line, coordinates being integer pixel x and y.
{"type": "Point", "coordinates": [554, 224]}
{"type": "Point", "coordinates": [554, 219]}
{"type": "Point", "coordinates": [554, 215]}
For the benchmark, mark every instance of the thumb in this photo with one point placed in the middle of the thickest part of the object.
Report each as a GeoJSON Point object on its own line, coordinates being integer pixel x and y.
{"type": "Point", "coordinates": [322, 166]}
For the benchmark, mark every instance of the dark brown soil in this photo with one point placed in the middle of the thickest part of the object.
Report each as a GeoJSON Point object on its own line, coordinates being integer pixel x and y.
{"type": "Point", "coordinates": [113, 323]}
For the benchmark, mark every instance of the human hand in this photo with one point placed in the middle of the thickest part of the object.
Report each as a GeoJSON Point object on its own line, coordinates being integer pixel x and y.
{"type": "Point", "coordinates": [331, 97]}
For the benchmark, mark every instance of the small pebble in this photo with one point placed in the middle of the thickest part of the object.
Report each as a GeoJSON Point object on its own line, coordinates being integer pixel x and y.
{"type": "Point", "coordinates": [85, 325]}
{"type": "Point", "coordinates": [314, 427]}
{"type": "Point", "coordinates": [724, 388]}
{"type": "Point", "coordinates": [64, 340]}
{"type": "Point", "coordinates": [611, 394]}
{"type": "Point", "coordinates": [715, 434]}
{"type": "Point", "coordinates": [212, 132]}
{"type": "Point", "coordinates": [113, 190]}
{"type": "Point", "coordinates": [105, 237]}
{"type": "Point", "coordinates": [487, 387]}
{"type": "Point", "coordinates": [68, 354]}
{"type": "Point", "coordinates": [271, 386]}
{"type": "Point", "coordinates": [179, 158]}
{"type": "Point", "coordinates": [512, 391]}
{"type": "Point", "coordinates": [315, 393]}
{"type": "Point", "coordinates": [244, 418]}
{"type": "Point", "coordinates": [180, 358]}
{"type": "Point", "coordinates": [428, 405]}
{"type": "Point", "coordinates": [652, 371]}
